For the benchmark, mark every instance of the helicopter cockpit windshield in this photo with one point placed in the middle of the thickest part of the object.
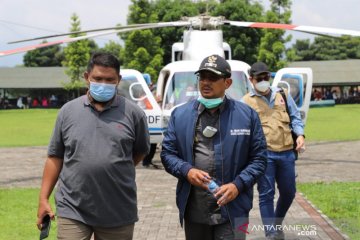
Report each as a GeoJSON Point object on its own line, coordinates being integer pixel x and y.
{"type": "Point", "coordinates": [183, 87]}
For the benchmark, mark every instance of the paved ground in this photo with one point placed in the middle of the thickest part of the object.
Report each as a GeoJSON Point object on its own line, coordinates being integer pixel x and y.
{"type": "Point", "coordinates": [22, 167]}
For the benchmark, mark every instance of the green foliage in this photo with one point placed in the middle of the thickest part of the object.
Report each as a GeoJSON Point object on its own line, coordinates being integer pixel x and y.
{"type": "Point", "coordinates": [272, 48]}
{"type": "Point", "coordinates": [327, 48]}
{"type": "Point", "coordinates": [18, 210]}
{"type": "Point", "coordinates": [143, 50]}
{"type": "Point", "coordinates": [339, 201]}
{"type": "Point", "coordinates": [168, 11]}
{"type": "Point", "coordinates": [244, 42]}
{"type": "Point", "coordinates": [141, 11]}
{"type": "Point", "coordinates": [44, 57]}
{"type": "Point", "coordinates": [113, 48]}
{"type": "Point", "coordinates": [77, 55]}
{"type": "Point", "coordinates": [26, 127]}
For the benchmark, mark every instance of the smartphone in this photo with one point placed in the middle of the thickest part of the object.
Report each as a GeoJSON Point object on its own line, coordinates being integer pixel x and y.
{"type": "Point", "coordinates": [46, 223]}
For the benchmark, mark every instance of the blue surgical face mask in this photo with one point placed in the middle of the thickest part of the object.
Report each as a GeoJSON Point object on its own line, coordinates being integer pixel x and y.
{"type": "Point", "coordinates": [102, 92]}
{"type": "Point", "coordinates": [210, 102]}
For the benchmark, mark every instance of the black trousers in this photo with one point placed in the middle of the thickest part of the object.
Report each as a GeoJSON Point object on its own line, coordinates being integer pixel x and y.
{"type": "Point", "coordinates": [148, 159]}
{"type": "Point", "coordinates": [198, 231]}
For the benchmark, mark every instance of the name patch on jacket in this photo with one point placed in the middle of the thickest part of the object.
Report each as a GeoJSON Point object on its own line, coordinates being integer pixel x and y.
{"type": "Point", "coordinates": [240, 132]}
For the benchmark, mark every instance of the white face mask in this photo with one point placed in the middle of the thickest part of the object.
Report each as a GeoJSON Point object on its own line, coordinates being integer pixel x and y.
{"type": "Point", "coordinates": [262, 86]}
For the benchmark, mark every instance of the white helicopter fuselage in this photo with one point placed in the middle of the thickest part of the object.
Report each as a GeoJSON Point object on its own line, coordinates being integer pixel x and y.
{"type": "Point", "coordinates": [199, 44]}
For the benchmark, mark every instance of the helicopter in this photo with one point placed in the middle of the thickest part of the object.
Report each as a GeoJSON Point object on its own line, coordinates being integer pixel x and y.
{"type": "Point", "coordinates": [177, 83]}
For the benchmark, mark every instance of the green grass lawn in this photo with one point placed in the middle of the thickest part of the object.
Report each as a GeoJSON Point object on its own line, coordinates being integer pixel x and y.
{"type": "Point", "coordinates": [339, 201]}
{"type": "Point", "coordinates": [338, 123]}
{"type": "Point", "coordinates": [28, 127]}
{"type": "Point", "coordinates": [18, 211]}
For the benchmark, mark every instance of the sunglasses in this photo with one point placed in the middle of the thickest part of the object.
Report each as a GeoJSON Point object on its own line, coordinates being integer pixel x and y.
{"type": "Point", "coordinates": [262, 77]}
{"type": "Point", "coordinates": [209, 76]}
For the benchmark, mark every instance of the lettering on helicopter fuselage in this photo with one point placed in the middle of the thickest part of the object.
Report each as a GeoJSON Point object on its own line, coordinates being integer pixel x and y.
{"type": "Point", "coordinates": [153, 119]}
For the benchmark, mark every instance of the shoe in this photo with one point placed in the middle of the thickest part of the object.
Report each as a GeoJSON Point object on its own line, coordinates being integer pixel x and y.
{"type": "Point", "coordinates": [151, 165]}
{"type": "Point", "coordinates": [156, 166]}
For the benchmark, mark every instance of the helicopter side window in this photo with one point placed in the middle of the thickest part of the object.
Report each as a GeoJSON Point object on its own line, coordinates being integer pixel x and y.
{"type": "Point", "coordinates": [239, 86]}
{"type": "Point", "coordinates": [131, 84]}
{"type": "Point", "coordinates": [294, 83]}
{"type": "Point", "coordinates": [123, 88]}
{"type": "Point", "coordinates": [182, 88]}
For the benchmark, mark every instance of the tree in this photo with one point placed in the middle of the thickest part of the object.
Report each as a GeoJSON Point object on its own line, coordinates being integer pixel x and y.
{"type": "Point", "coordinates": [244, 42]}
{"type": "Point", "coordinates": [272, 47]}
{"type": "Point", "coordinates": [113, 48]}
{"type": "Point", "coordinates": [143, 52]}
{"type": "Point", "coordinates": [77, 54]}
{"type": "Point", "coordinates": [327, 48]}
{"type": "Point", "coordinates": [142, 48]}
{"type": "Point", "coordinates": [168, 11]}
{"type": "Point", "coordinates": [44, 57]}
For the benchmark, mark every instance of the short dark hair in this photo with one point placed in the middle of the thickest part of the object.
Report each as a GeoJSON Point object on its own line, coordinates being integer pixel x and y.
{"type": "Point", "coordinates": [104, 59]}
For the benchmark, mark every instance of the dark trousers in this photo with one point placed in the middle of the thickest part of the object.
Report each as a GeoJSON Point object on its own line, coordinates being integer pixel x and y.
{"type": "Point", "coordinates": [198, 231]}
{"type": "Point", "coordinates": [148, 159]}
{"type": "Point", "coordinates": [280, 169]}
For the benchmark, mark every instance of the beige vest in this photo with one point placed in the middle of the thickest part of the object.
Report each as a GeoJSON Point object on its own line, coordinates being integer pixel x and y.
{"type": "Point", "coordinates": [275, 121]}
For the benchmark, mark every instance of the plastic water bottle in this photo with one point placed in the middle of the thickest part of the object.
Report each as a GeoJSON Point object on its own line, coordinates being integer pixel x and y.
{"type": "Point", "coordinates": [302, 149]}
{"type": "Point", "coordinates": [212, 185]}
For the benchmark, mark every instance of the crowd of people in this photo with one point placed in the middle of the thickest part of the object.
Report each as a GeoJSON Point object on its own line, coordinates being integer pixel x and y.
{"type": "Point", "coordinates": [340, 96]}
{"type": "Point", "coordinates": [26, 102]}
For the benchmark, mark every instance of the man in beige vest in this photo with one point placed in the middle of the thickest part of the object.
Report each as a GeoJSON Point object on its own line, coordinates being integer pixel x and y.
{"type": "Point", "coordinates": [270, 105]}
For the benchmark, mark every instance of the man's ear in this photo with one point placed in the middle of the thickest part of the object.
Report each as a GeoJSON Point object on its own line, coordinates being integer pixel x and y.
{"type": "Point", "coordinates": [86, 76]}
{"type": "Point", "coordinates": [228, 82]}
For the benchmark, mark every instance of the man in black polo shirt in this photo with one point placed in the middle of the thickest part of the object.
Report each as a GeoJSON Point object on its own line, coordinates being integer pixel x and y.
{"type": "Point", "coordinates": [97, 141]}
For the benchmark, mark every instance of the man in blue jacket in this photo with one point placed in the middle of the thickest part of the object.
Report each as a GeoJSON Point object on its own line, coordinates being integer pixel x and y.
{"type": "Point", "coordinates": [214, 137]}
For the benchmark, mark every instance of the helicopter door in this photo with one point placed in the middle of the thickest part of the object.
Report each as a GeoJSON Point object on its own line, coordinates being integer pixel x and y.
{"type": "Point", "coordinates": [133, 86]}
{"type": "Point", "coordinates": [298, 82]}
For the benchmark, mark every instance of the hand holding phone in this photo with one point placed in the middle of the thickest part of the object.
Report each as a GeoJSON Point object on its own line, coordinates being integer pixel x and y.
{"type": "Point", "coordinates": [45, 227]}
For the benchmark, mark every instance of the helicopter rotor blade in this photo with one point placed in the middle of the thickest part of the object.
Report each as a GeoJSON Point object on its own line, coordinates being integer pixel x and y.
{"type": "Point", "coordinates": [79, 32]}
{"type": "Point", "coordinates": [73, 39]}
{"type": "Point", "coordinates": [305, 29]}
{"type": "Point", "coordinates": [132, 26]}
{"type": "Point", "coordinates": [200, 22]}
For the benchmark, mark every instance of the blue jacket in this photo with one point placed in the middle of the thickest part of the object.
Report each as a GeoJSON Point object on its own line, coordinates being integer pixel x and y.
{"type": "Point", "coordinates": [240, 153]}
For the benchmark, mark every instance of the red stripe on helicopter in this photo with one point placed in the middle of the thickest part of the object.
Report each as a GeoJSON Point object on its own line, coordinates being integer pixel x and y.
{"type": "Point", "coordinates": [273, 26]}
{"type": "Point", "coordinates": [32, 47]}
